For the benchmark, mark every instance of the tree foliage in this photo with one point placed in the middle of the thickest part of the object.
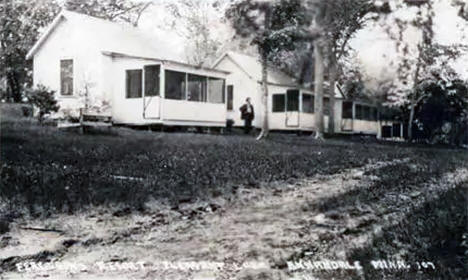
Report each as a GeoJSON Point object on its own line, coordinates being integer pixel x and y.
{"type": "Point", "coordinates": [193, 20]}
{"type": "Point", "coordinates": [20, 25]}
{"type": "Point", "coordinates": [22, 22]}
{"type": "Point", "coordinates": [113, 10]}
{"type": "Point", "coordinates": [417, 62]}
{"type": "Point", "coordinates": [43, 99]}
{"type": "Point", "coordinates": [271, 27]}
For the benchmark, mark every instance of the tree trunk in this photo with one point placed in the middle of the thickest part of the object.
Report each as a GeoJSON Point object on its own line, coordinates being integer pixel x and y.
{"type": "Point", "coordinates": [13, 86]}
{"type": "Point", "coordinates": [414, 98]}
{"type": "Point", "coordinates": [410, 121]}
{"type": "Point", "coordinates": [332, 76]}
{"type": "Point", "coordinates": [318, 89]}
{"type": "Point", "coordinates": [265, 130]}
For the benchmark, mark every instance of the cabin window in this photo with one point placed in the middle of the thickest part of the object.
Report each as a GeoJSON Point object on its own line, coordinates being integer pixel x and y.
{"type": "Point", "coordinates": [347, 110]}
{"type": "Point", "coordinates": [359, 112]}
{"type": "Point", "coordinates": [326, 106]}
{"type": "Point", "coordinates": [152, 80]}
{"type": "Point", "coordinates": [307, 103]}
{"type": "Point", "coordinates": [396, 128]}
{"type": "Point", "coordinates": [230, 97]}
{"type": "Point", "coordinates": [279, 102]}
{"type": "Point", "coordinates": [386, 131]}
{"type": "Point", "coordinates": [196, 89]}
{"type": "Point", "coordinates": [366, 112]}
{"type": "Point", "coordinates": [66, 77]}
{"type": "Point", "coordinates": [133, 81]}
{"type": "Point", "coordinates": [216, 90]}
{"type": "Point", "coordinates": [292, 102]}
{"type": "Point", "coordinates": [374, 114]}
{"type": "Point", "coordinates": [175, 85]}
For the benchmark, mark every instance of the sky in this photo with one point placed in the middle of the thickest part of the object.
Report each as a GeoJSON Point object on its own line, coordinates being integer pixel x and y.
{"type": "Point", "coordinates": [375, 51]}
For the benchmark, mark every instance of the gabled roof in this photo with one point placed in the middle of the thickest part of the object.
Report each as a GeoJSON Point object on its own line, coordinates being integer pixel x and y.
{"type": "Point", "coordinates": [116, 37]}
{"type": "Point", "coordinates": [253, 68]}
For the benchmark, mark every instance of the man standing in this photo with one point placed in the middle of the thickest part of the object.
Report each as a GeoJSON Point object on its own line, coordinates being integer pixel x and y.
{"type": "Point", "coordinates": [247, 114]}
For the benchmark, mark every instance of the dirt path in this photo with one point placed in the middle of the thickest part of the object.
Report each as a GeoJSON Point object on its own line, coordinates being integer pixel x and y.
{"type": "Point", "coordinates": [258, 228]}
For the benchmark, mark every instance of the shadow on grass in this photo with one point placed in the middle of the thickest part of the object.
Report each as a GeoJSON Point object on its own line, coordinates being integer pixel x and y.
{"type": "Point", "coordinates": [394, 184]}
{"type": "Point", "coordinates": [430, 242]}
{"type": "Point", "coordinates": [433, 233]}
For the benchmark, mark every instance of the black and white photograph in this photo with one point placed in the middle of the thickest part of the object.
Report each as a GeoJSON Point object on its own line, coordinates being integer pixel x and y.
{"type": "Point", "coordinates": [234, 139]}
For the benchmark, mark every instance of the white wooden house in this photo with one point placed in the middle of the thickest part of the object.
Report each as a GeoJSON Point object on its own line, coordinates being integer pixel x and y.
{"type": "Point", "coordinates": [135, 78]}
{"type": "Point", "coordinates": [290, 106]}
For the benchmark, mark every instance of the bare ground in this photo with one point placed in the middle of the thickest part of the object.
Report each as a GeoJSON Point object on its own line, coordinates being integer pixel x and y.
{"type": "Point", "coordinates": [261, 228]}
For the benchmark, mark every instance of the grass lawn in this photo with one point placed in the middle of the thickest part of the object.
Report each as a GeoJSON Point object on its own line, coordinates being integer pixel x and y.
{"type": "Point", "coordinates": [45, 171]}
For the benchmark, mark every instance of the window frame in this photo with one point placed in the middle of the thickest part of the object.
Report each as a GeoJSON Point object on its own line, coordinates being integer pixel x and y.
{"type": "Point", "coordinates": [144, 80]}
{"type": "Point", "coordinates": [230, 105]}
{"type": "Point", "coordinates": [223, 90]}
{"type": "Point", "coordinates": [166, 84]}
{"type": "Point", "coordinates": [298, 100]}
{"type": "Point", "coordinates": [273, 102]}
{"type": "Point", "coordinates": [312, 103]}
{"type": "Point", "coordinates": [63, 59]}
{"type": "Point", "coordinates": [127, 83]}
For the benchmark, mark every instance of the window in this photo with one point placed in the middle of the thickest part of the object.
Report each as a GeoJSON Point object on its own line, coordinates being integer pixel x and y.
{"type": "Point", "coordinates": [196, 88]}
{"type": "Point", "coordinates": [230, 97]}
{"type": "Point", "coordinates": [175, 85]}
{"type": "Point", "coordinates": [152, 80]}
{"type": "Point", "coordinates": [279, 102]}
{"type": "Point", "coordinates": [292, 103]}
{"type": "Point", "coordinates": [386, 131]}
{"type": "Point", "coordinates": [373, 114]}
{"type": "Point", "coordinates": [396, 130]}
{"type": "Point", "coordinates": [216, 90]}
{"type": "Point", "coordinates": [366, 112]}
{"type": "Point", "coordinates": [66, 77]}
{"type": "Point", "coordinates": [347, 110]}
{"type": "Point", "coordinates": [359, 112]}
{"type": "Point", "coordinates": [326, 106]}
{"type": "Point", "coordinates": [133, 83]}
{"type": "Point", "coordinates": [308, 103]}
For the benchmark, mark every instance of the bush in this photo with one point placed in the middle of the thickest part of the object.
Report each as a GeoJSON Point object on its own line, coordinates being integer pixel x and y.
{"type": "Point", "coordinates": [44, 99]}
{"type": "Point", "coordinates": [27, 111]}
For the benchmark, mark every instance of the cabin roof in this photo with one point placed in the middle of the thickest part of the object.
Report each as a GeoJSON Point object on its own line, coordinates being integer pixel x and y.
{"type": "Point", "coordinates": [252, 66]}
{"type": "Point", "coordinates": [195, 67]}
{"type": "Point", "coordinates": [116, 37]}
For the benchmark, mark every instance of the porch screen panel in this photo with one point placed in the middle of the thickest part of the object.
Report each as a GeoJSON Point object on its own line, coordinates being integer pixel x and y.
{"type": "Point", "coordinates": [152, 80]}
{"type": "Point", "coordinates": [347, 110]}
{"type": "Point", "coordinates": [373, 114]}
{"type": "Point", "coordinates": [230, 97]}
{"type": "Point", "coordinates": [292, 100]}
{"type": "Point", "coordinates": [307, 103]}
{"type": "Point", "coordinates": [196, 90]}
{"type": "Point", "coordinates": [279, 102]}
{"type": "Point", "coordinates": [359, 112]}
{"type": "Point", "coordinates": [216, 91]}
{"type": "Point", "coordinates": [66, 77]}
{"type": "Point", "coordinates": [133, 81]}
{"type": "Point", "coordinates": [174, 85]}
{"type": "Point", "coordinates": [367, 113]}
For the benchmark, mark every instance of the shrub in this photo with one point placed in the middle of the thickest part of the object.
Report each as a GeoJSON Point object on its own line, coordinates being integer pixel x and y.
{"type": "Point", "coordinates": [44, 99]}
{"type": "Point", "coordinates": [27, 111]}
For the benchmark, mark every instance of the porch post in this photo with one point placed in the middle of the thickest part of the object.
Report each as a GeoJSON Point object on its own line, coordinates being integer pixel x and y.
{"type": "Point", "coordinates": [162, 90]}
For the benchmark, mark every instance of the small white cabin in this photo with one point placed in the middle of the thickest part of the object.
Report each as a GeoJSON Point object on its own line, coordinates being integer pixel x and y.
{"type": "Point", "coordinates": [290, 106]}
{"type": "Point", "coordinates": [120, 71]}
